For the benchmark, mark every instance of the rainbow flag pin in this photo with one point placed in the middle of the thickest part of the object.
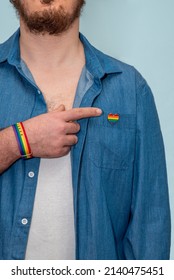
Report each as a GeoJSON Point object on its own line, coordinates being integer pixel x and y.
{"type": "Point", "coordinates": [113, 118]}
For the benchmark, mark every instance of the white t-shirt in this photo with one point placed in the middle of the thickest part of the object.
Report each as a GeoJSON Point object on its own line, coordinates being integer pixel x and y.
{"type": "Point", "coordinates": [52, 235]}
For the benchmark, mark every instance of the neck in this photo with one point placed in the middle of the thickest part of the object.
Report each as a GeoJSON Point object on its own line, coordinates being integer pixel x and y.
{"type": "Point", "coordinates": [48, 50]}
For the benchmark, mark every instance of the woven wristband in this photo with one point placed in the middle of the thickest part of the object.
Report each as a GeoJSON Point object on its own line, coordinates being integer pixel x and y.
{"type": "Point", "coordinates": [22, 140]}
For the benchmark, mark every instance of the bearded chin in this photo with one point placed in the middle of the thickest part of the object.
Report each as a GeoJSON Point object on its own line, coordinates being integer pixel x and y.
{"type": "Point", "coordinates": [50, 21]}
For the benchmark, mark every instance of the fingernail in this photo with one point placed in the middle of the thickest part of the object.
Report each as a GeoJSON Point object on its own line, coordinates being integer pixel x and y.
{"type": "Point", "coordinates": [99, 111]}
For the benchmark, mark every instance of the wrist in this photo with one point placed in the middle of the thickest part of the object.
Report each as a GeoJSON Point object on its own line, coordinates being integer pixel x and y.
{"type": "Point", "coordinates": [12, 146]}
{"type": "Point", "coordinates": [22, 141]}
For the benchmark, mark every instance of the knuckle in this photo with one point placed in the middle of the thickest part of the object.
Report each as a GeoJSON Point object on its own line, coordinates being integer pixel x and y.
{"type": "Point", "coordinates": [62, 151]}
{"type": "Point", "coordinates": [67, 150]}
{"type": "Point", "coordinates": [77, 127]}
{"type": "Point", "coordinates": [75, 139]}
{"type": "Point", "coordinates": [66, 153]}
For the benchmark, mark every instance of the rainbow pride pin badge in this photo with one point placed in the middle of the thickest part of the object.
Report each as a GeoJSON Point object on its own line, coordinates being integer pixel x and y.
{"type": "Point", "coordinates": [113, 118]}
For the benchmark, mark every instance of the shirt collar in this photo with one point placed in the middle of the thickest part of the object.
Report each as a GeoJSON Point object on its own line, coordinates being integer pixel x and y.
{"type": "Point", "coordinates": [10, 50]}
{"type": "Point", "coordinates": [97, 63]}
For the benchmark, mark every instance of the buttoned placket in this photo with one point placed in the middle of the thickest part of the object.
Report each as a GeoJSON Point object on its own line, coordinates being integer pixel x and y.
{"type": "Point", "coordinates": [24, 214]}
{"type": "Point", "coordinates": [87, 101]}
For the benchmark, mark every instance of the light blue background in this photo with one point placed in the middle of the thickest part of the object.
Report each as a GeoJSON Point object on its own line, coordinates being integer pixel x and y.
{"type": "Point", "coordinates": [141, 33]}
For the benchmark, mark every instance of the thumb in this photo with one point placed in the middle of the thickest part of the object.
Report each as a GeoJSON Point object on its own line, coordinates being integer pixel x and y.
{"type": "Point", "coordinates": [60, 108]}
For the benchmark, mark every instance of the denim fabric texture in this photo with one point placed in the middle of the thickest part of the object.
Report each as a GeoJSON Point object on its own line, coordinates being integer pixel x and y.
{"type": "Point", "coordinates": [121, 202]}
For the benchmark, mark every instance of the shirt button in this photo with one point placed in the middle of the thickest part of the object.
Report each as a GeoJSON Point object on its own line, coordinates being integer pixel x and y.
{"type": "Point", "coordinates": [24, 221]}
{"type": "Point", "coordinates": [31, 174]}
{"type": "Point", "coordinates": [39, 92]}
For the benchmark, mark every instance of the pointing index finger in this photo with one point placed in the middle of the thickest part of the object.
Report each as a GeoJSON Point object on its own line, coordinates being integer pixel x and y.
{"type": "Point", "coordinates": [81, 113]}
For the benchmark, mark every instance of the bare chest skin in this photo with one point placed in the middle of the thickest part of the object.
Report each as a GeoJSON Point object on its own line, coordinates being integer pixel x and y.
{"type": "Point", "coordinates": [58, 82]}
{"type": "Point", "coordinates": [58, 87]}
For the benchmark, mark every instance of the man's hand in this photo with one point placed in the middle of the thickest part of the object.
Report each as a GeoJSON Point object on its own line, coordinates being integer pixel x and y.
{"type": "Point", "coordinates": [52, 134]}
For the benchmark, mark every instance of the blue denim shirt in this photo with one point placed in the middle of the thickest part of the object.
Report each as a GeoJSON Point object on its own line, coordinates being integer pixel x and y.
{"type": "Point", "coordinates": [121, 203]}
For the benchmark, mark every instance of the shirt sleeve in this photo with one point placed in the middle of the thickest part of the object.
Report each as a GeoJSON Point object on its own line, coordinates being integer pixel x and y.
{"type": "Point", "coordinates": [149, 230]}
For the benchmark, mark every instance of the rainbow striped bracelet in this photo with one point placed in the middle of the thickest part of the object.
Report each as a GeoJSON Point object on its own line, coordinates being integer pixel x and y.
{"type": "Point", "coordinates": [22, 140]}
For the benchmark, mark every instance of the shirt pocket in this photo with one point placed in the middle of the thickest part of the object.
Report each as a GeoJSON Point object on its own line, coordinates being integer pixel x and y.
{"type": "Point", "coordinates": [111, 145]}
